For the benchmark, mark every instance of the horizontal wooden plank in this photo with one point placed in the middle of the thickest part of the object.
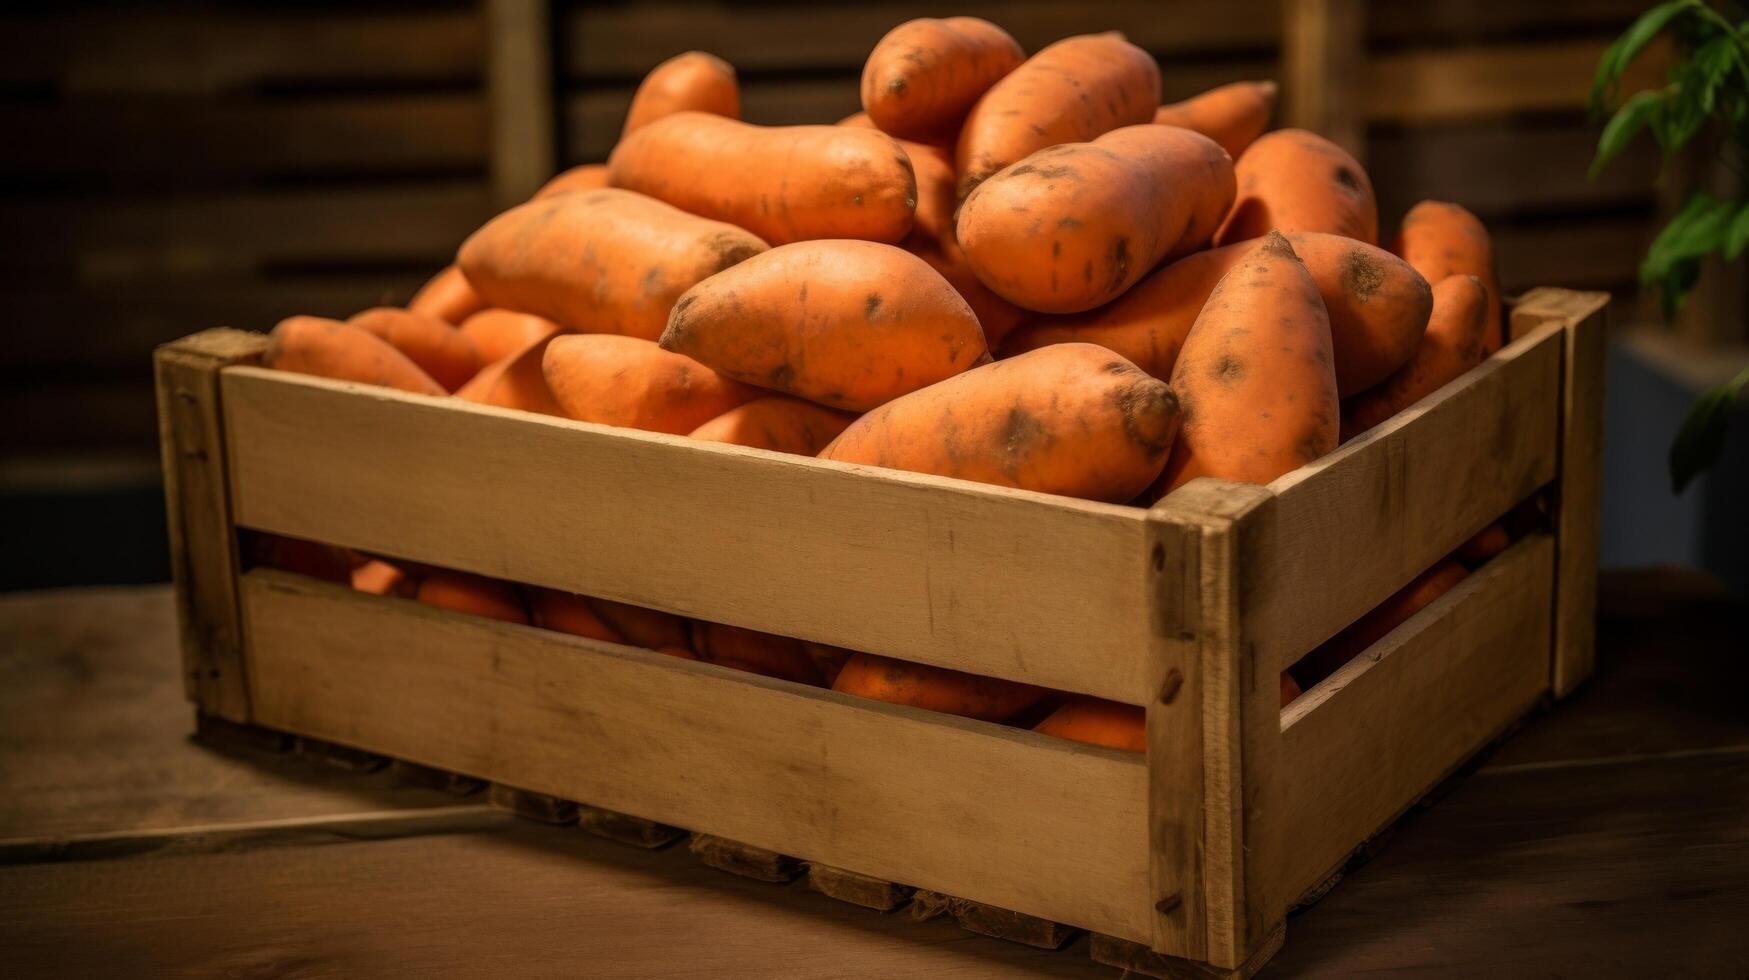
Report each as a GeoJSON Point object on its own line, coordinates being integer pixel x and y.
{"type": "Point", "coordinates": [203, 51]}
{"type": "Point", "coordinates": [594, 113]}
{"type": "Point", "coordinates": [626, 40]}
{"type": "Point", "coordinates": [1022, 821]}
{"type": "Point", "coordinates": [1350, 529]}
{"type": "Point", "coordinates": [1466, 83]}
{"type": "Point", "coordinates": [1001, 582]}
{"type": "Point", "coordinates": [139, 237]}
{"type": "Point", "coordinates": [1365, 744]}
{"type": "Point", "coordinates": [190, 140]}
{"type": "Point", "coordinates": [1503, 167]}
{"type": "Point", "coordinates": [1485, 20]}
{"type": "Point", "coordinates": [1579, 252]}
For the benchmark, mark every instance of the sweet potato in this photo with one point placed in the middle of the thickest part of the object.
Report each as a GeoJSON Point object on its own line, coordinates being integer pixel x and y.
{"type": "Point", "coordinates": [312, 558]}
{"type": "Point", "coordinates": [475, 595]}
{"type": "Point", "coordinates": [606, 261]}
{"type": "Point", "coordinates": [755, 652]}
{"type": "Point", "coordinates": [1069, 92]}
{"type": "Point", "coordinates": [936, 198]}
{"type": "Point", "coordinates": [448, 296]}
{"type": "Point", "coordinates": [924, 76]}
{"type": "Point", "coordinates": [995, 315]}
{"type": "Point", "coordinates": [1376, 624]}
{"type": "Point", "coordinates": [1378, 307]}
{"type": "Point", "coordinates": [649, 628]}
{"type": "Point", "coordinates": [1483, 546]}
{"type": "Point", "coordinates": [1097, 721]}
{"type": "Point", "coordinates": [584, 177]}
{"type": "Point", "coordinates": [1290, 688]}
{"type": "Point", "coordinates": [782, 183]}
{"type": "Point", "coordinates": [778, 423]}
{"type": "Point", "coordinates": [441, 350]}
{"type": "Point", "coordinates": [331, 349]}
{"type": "Point", "coordinates": [515, 382]}
{"type": "Point", "coordinates": [379, 577]}
{"type": "Point", "coordinates": [935, 688]}
{"type": "Point", "coordinates": [1292, 180]}
{"type": "Point", "coordinates": [1455, 342]}
{"type": "Point", "coordinates": [1231, 115]}
{"type": "Point", "coordinates": [828, 659]}
{"type": "Point", "coordinates": [693, 81]}
{"type": "Point", "coordinates": [629, 382]}
{"type": "Point", "coordinates": [1441, 240]}
{"type": "Point", "coordinates": [498, 334]}
{"type": "Point", "coordinates": [567, 613]}
{"type": "Point", "coordinates": [1072, 227]}
{"type": "Point", "coordinates": [847, 324]}
{"type": "Point", "coordinates": [1073, 419]}
{"type": "Point", "coordinates": [1255, 375]}
{"type": "Point", "coordinates": [857, 120]}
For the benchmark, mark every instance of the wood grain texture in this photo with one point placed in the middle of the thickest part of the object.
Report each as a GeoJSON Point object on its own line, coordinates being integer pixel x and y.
{"type": "Point", "coordinates": [1362, 746]}
{"type": "Point", "coordinates": [1136, 959]}
{"type": "Point", "coordinates": [203, 549]}
{"type": "Point", "coordinates": [1361, 522]}
{"type": "Point", "coordinates": [1323, 54]}
{"type": "Point", "coordinates": [519, 93]}
{"type": "Point", "coordinates": [1472, 82]}
{"type": "Point", "coordinates": [1043, 589]}
{"type": "Point", "coordinates": [1018, 820]}
{"type": "Point", "coordinates": [857, 889]}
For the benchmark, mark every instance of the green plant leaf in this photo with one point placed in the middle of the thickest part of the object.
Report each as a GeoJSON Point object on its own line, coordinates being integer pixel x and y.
{"type": "Point", "coordinates": [1639, 110]}
{"type": "Point", "coordinates": [1628, 47]}
{"type": "Point", "coordinates": [1672, 262]}
{"type": "Point", "coordinates": [1701, 440]}
{"type": "Point", "coordinates": [1737, 236]}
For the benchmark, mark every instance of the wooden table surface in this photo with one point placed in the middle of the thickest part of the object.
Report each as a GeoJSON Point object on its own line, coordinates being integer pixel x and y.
{"type": "Point", "coordinates": [1608, 838]}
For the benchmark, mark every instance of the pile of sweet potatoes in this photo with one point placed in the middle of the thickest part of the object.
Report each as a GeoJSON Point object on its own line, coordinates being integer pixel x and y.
{"type": "Point", "coordinates": [1023, 271]}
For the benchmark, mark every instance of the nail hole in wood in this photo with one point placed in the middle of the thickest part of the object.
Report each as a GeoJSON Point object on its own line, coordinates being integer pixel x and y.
{"type": "Point", "coordinates": [1159, 557]}
{"type": "Point", "coordinates": [1169, 689]}
{"type": "Point", "coordinates": [1169, 904]}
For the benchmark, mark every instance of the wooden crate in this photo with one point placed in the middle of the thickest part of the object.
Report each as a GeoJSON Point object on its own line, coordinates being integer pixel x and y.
{"type": "Point", "coordinates": [1185, 858]}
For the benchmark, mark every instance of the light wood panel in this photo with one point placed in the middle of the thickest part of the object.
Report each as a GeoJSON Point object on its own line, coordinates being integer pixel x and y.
{"type": "Point", "coordinates": [1466, 83]}
{"type": "Point", "coordinates": [1001, 582]}
{"type": "Point", "coordinates": [519, 87]}
{"type": "Point", "coordinates": [1025, 822]}
{"type": "Point", "coordinates": [1350, 529]}
{"type": "Point", "coordinates": [1363, 745]}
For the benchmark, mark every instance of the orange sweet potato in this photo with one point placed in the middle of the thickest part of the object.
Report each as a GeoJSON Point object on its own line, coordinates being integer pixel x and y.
{"type": "Point", "coordinates": [1097, 721]}
{"type": "Point", "coordinates": [844, 323]}
{"type": "Point", "coordinates": [782, 183]}
{"type": "Point", "coordinates": [935, 688]}
{"type": "Point", "coordinates": [923, 77]}
{"type": "Point", "coordinates": [828, 659]}
{"type": "Point", "coordinates": [1441, 240]}
{"type": "Point", "coordinates": [1381, 620]}
{"type": "Point", "coordinates": [441, 350]}
{"type": "Point", "coordinates": [331, 349]}
{"type": "Point", "coordinates": [1483, 546]}
{"type": "Point", "coordinates": [515, 382]}
{"type": "Point", "coordinates": [1378, 307]}
{"type": "Point", "coordinates": [1455, 342]}
{"type": "Point", "coordinates": [1290, 688]}
{"type": "Point", "coordinates": [585, 177]}
{"type": "Point", "coordinates": [606, 261]}
{"type": "Point", "coordinates": [498, 334]}
{"type": "Point", "coordinates": [1069, 92]}
{"type": "Point", "coordinates": [1292, 180]}
{"type": "Point", "coordinates": [995, 315]}
{"type": "Point", "coordinates": [857, 120]}
{"type": "Point", "coordinates": [625, 381]}
{"type": "Point", "coordinates": [778, 423]}
{"type": "Point", "coordinates": [475, 595]}
{"type": "Point", "coordinates": [379, 577]}
{"type": "Point", "coordinates": [567, 613]}
{"type": "Point", "coordinates": [693, 81]}
{"type": "Point", "coordinates": [936, 198]}
{"type": "Point", "coordinates": [447, 296]}
{"type": "Point", "coordinates": [1072, 227]}
{"type": "Point", "coordinates": [649, 628]}
{"type": "Point", "coordinates": [311, 558]}
{"type": "Point", "coordinates": [1073, 419]}
{"type": "Point", "coordinates": [1255, 375]}
{"type": "Point", "coordinates": [755, 652]}
{"type": "Point", "coordinates": [1231, 115]}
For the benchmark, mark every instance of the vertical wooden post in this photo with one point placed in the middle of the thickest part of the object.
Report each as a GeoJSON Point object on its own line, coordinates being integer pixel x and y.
{"type": "Point", "coordinates": [203, 546]}
{"type": "Point", "coordinates": [1323, 52]}
{"type": "Point", "coordinates": [1578, 497]}
{"type": "Point", "coordinates": [519, 96]}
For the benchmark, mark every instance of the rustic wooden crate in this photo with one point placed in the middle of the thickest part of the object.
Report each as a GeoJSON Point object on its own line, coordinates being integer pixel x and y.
{"type": "Point", "coordinates": [1185, 858]}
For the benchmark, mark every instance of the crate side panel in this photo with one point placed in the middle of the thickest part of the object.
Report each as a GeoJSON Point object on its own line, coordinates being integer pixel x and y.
{"type": "Point", "coordinates": [1354, 527]}
{"type": "Point", "coordinates": [999, 582]}
{"type": "Point", "coordinates": [1010, 818]}
{"type": "Point", "coordinates": [1366, 743]}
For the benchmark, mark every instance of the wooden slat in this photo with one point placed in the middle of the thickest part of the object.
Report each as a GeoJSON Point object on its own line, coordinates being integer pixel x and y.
{"type": "Point", "coordinates": [203, 549]}
{"type": "Point", "coordinates": [140, 237]}
{"type": "Point", "coordinates": [1037, 825]}
{"type": "Point", "coordinates": [1483, 20]}
{"type": "Point", "coordinates": [137, 51]}
{"type": "Point", "coordinates": [1579, 493]}
{"type": "Point", "coordinates": [519, 83]}
{"type": "Point", "coordinates": [1581, 252]}
{"type": "Point", "coordinates": [1466, 83]}
{"type": "Point", "coordinates": [627, 40]}
{"type": "Point", "coordinates": [1353, 527]}
{"type": "Point", "coordinates": [1366, 743]}
{"type": "Point", "coordinates": [1000, 582]}
{"type": "Point", "coordinates": [1323, 67]}
{"type": "Point", "coordinates": [347, 134]}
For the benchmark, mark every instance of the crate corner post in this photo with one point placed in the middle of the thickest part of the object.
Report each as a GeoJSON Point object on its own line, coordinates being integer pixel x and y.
{"type": "Point", "coordinates": [203, 548]}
